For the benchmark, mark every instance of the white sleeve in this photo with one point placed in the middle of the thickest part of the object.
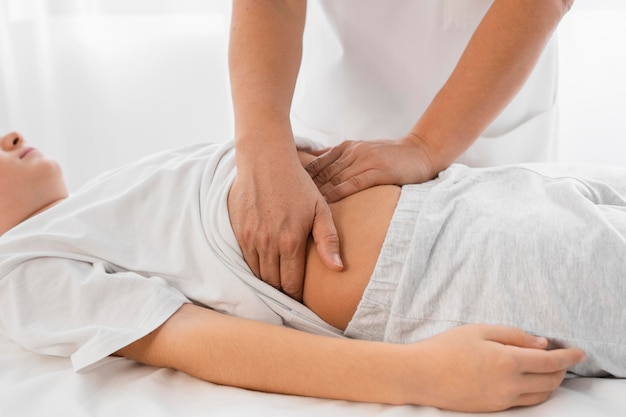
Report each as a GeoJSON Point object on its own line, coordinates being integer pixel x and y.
{"type": "Point", "coordinates": [64, 307]}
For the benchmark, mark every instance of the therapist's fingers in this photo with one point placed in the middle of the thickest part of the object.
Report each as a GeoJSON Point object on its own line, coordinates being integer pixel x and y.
{"type": "Point", "coordinates": [326, 237]}
{"type": "Point", "coordinates": [243, 220]}
{"type": "Point", "coordinates": [292, 265]}
{"type": "Point", "coordinates": [272, 223]}
{"type": "Point", "coordinates": [320, 168]}
{"type": "Point", "coordinates": [350, 160]}
{"type": "Point", "coordinates": [355, 181]}
{"type": "Point", "coordinates": [251, 256]}
{"type": "Point", "coordinates": [281, 252]}
{"type": "Point", "coordinates": [349, 168]}
{"type": "Point", "coordinates": [354, 166]}
{"type": "Point", "coordinates": [269, 267]}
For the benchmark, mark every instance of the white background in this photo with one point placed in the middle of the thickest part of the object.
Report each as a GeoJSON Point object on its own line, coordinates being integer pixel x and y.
{"type": "Point", "coordinates": [98, 83]}
{"type": "Point", "coordinates": [592, 42]}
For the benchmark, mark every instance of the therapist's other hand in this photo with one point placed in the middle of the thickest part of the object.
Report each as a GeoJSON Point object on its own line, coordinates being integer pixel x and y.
{"type": "Point", "coordinates": [480, 368]}
{"type": "Point", "coordinates": [354, 166]}
{"type": "Point", "coordinates": [274, 206]}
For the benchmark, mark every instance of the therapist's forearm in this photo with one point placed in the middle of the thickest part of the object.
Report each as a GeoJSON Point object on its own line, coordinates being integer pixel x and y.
{"type": "Point", "coordinates": [494, 66]}
{"type": "Point", "coordinates": [264, 59]}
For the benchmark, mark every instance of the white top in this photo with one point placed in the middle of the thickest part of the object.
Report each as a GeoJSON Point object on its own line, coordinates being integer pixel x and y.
{"type": "Point", "coordinates": [370, 68]}
{"type": "Point", "coordinates": [116, 259]}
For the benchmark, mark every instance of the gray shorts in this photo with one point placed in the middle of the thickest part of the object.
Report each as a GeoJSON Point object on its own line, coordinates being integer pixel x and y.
{"type": "Point", "coordinates": [538, 247]}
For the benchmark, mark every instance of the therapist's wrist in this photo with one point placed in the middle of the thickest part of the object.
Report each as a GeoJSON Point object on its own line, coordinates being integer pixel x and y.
{"type": "Point", "coordinates": [260, 134]}
{"type": "Point", "coordinates": [426, 156]}
{"type": "Point", "coordinates": [265, 148]}
{"type": "Point", "coordinates": [437, 152]}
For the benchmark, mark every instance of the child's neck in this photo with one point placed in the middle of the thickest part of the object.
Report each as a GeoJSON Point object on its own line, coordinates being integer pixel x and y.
{"type": "Point", "coordinates": [6, 227]}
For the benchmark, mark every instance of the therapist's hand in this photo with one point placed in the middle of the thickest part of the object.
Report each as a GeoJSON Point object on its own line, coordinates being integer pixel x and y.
{"type": "Point", "coordinates": [354, 166]}
{"type": "Point", "coordinates": [274, 206]}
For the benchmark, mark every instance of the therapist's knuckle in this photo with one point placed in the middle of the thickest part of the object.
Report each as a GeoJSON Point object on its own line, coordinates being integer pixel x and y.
{"type": "Point", "coordinates": [339, 193]}
{"type": "Point", "coordinates": [330, 237]}
{"type": "Point", "coordinates": [347, 144]}
{"type": "Point", "coordinates": [312, 167]}
{"type": "Point", "coordinates": [323, 177]}
{"type": "Point", "coordinates": [273, 281]}
{"type": "Point", "coordinates": [567, 5]}
{"type": "Point", "coordinates": [290, 285]}
{"type": "Point", "coordinates": [333, 195]}
{"type": "Point", "coordinates": [262, 238]}
{"type": "Point", "coordinates": [357, 183]}
{"type": "Point", "coordinates": [387, 163]}
{"type": "Point", "coordinates": [362, 149]}
{"type": "Point", "coordinates": [288, 244]}
{"type": "Point", "coordinates": [325, 189]}
{"type": "Point", "coordinates": [247, 234]}
{"type": "Point", "coordinates": [356, 144]}
{"type": "Point", "coordinates": [336, 180]}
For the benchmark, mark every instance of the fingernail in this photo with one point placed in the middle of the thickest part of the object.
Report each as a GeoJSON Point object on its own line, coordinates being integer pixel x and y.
{"type": "Point", "coordinates": [337, 260]}
{"type": "Point", "coordinates": [542, 341]}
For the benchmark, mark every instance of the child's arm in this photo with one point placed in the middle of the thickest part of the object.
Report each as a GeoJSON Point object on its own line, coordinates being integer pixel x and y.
{"type": "Point", "coordinates": [463, 369]}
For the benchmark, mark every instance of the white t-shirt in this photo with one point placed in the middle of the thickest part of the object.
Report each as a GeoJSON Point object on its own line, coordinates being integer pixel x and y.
{"type": "Point", "coordinates": [116, 259]}
{"type": "Point", "coordinates": [370, 68]}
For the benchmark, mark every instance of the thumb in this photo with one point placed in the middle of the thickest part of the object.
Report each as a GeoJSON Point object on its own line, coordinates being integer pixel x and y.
{"type": "Point", "coordinates": [326, 237]}
{"type": "Point", "coordinates": [515, 337]}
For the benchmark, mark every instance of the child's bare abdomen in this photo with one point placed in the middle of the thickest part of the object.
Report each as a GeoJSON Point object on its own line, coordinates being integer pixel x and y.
{"type": "Point", "coordinates": [362, 221]}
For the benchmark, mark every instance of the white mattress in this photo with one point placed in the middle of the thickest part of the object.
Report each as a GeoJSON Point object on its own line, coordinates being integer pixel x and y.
{"type": "Point", "coordinates": [36, 385]}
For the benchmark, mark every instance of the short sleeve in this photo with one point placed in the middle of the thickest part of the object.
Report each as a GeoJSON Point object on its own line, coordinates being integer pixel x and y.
{"type": "Point", "coordinates": [81, 310]}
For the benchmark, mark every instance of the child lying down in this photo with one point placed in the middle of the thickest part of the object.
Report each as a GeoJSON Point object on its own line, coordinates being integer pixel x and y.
{"type": "Point", "coordinates": [475, 291]}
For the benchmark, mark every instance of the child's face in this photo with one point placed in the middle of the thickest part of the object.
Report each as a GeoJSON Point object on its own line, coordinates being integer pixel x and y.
{"type": "Point", "coordinates": [29, 182]}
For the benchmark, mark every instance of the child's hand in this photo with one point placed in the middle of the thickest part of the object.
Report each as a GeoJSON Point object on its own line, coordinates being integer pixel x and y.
{"type": "Point", "coordinates": [488, 368]}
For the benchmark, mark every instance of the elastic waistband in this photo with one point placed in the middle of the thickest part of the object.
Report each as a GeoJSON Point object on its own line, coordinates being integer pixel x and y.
{"type": "Point", "coordinates": [371, 316]}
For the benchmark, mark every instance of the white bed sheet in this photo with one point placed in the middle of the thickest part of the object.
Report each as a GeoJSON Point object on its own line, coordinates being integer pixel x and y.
{"type": "Point", "coordinates": [36, 385]}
